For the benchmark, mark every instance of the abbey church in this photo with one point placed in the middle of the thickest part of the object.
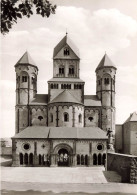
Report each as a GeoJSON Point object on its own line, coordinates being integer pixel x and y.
{"type": "Point", "coordinates": [64, 127]}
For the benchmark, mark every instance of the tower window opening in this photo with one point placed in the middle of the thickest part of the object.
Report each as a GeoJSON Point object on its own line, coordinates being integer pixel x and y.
{"type": "Point", "coordinates": [71, 70]}
{"type": "Point", "coordinates": [51, 118]}
{"type": "Point", "coordinates": [99, 82]}
{"type": "Point", "coordinates": [40, 118]}
{"type": "Point", "coordinates": [80, 118]}
{"type": "Point", "coordinates": [51, 86]}
{"type": "Point", "coordinates": [61, 70]}
{"type": "Point", "coordinates": [66, 117]}
{"type": "Point", "coordinates": [24, 79]}
{"type": "Point", "coordinates": [106, 81]}
{"type": "Point", "coordinates": [66, 52]}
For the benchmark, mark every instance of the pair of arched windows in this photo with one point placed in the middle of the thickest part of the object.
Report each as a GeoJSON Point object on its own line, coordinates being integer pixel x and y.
{"type": "Point", "coordinates": [54, 86]}
{"type": "Point", "coordinates": [66, 52]}
{"type": "Point", "coordinates": [24, 79]}
{"type": "Point", "coordinates": [106, 81]}
{"type": "Point", "coordinates": [76, 86]}
{"type": "Point", "coordinates": [71, 70]}
{"type": "Point", "coordinates": [61, 70]}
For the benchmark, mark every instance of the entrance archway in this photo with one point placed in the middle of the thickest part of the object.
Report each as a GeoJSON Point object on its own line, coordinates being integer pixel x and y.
{"type": "Point", "coordinates": [62, 155]}
{"type": "Point", "coordinates": [63, 159]}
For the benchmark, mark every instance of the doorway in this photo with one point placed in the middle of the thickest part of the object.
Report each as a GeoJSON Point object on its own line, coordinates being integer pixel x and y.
{"type": "Point", "coordinates": [63, 159]}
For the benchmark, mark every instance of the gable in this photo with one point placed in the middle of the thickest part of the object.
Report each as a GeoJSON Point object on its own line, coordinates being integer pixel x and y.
{"type": "Point", "coordinates": [61, 55]}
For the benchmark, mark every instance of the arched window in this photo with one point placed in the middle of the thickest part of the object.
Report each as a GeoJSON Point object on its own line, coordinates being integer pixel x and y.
{"type": "Point", "coordinates": [80, 118]}
{"type": "Point", "coordinates": [86, 159]}
{"type": "Point", "coordinates": [40, 159]}
{"type": "Point", "coordinates": [24, 79]}
{"type": "Point", "coordinates": [94, 159]}
{"type": "Point", "coordinates": [61, 70]}
{"type": "Point", "coordinates": [71, 70]}
{"type": "Point", "coordinates": [66, 117]}
{"type": "Point", "coordinates": [40, 118]}
{"type": "Point", "coordinates": [99, 159]}
{"type": "Point", "coordinates": [21, 158]}
{"type": "Point", "coordinates": [78, 159]}
{"type": "Point", "coordinates": [104, 159]}
{"type": "Point", "coordinates": [51, 86]}
{"type": "Point", "coordinates": [51, 118]}
{"type": "Point", "coordinates": [82, 159]}
{"type": "Point", "coordinates": [26, 159]}
{"type": "Point", "coordinates": [106, 81]}
{"type": "Point", "coordinates": [90, 118]}
{"type": "Point", "coordinates": [66, 52]}
{"type": "Point", "coordinates": [31, 159]}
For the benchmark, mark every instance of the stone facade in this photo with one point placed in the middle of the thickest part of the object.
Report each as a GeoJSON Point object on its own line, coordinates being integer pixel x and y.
{"type": "Point", "coordinates": [126, 139]}
{"type": "Point", "coordinates": [64, 106]}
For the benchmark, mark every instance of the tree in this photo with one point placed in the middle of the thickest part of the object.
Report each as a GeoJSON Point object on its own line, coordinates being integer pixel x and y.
{"type": "Point", "coordinates": [12, 10]}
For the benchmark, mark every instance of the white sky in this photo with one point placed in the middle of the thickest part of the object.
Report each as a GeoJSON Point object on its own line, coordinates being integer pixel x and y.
{"type": "Point", "coordinates": [95, 26]}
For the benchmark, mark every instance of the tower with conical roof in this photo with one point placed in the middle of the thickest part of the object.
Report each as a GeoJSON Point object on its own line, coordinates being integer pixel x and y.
{"type": "Point", "coordinates": [26, 88]}
{"type": "Point", "coordinates": [105, 90]}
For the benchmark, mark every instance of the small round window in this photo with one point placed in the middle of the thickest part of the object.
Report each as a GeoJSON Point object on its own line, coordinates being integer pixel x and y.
{"type": "Point", "coordinates": [26, 146]}
{"type": "Point", "coordinates": [100, 147]}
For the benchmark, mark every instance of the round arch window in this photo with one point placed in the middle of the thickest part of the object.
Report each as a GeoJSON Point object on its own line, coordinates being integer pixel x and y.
{"type": "Point", "coordinates": [99, 147]}
{"type": "Point", "coordinates": [26, 146]}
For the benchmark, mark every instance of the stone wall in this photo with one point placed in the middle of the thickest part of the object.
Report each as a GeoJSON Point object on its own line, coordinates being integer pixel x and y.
{"type": "Point", "coordinates": [125, 165]}
{"type": "Point", "coordinates": [118, 139]}
{"type": "Point", "coordinates": [6, 151]}
{"type": "Point", "coordinates": [45, 152]}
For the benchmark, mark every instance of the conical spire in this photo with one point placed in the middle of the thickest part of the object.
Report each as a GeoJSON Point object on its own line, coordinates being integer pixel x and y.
{"type": "Point", "coordinates": [105, 62]}
{"type": "Point", "coordinates": [26, 59]}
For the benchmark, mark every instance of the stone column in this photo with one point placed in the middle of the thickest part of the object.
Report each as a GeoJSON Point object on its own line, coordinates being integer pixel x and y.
{"type": "Point", "coordinates": [36, 160]}
{"type": "Point", "coordinates": [74, 153]}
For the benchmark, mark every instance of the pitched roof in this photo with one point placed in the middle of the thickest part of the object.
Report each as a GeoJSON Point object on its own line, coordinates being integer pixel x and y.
{"type": "Point", "coordinates": [65, 96]}
{"type": "Point", "coordinates": [78, 133]}
{"type": "Point", "coordinates": [105, 62]}
{"type": "Point", "coordinates": [26, 59]}
{"type": "Point", "coordinates": [62, 43]}
{"type": "Point", "coordinates": [132, 118]}
{"type": "Point", "coordinates": [67, 80]}
{"type": "Point", "coordinates": [91, 100]}
{"type": "Point", "coordinates": [62, 132]}
{"type": "Point", "coordinates": [33, 132]}
{"type": "Point", "coordinates": [40, 99]}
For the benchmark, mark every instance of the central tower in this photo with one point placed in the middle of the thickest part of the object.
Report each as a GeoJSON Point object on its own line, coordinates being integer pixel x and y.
{"type": "Point", "coordinates": [66, 62]}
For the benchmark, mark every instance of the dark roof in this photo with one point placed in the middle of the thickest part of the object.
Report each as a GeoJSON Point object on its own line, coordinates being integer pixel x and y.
{"type": "Point", "coordinates": [26, 59]}
{"type": "Point", "coordinates": [62, 132]}
{"type": "Point", "coordinates": [65, 96]}
{"type": "Point", "coordinates": [132, 118]}
{"type": "Point", "coordinates": [105, 62]}
{"type": "Point", "coordinates": [62, 43]}
{"type": "Point", "coordinates": [91, 100]}
{"type": "Point", "coordinates": [67, 80]}
{"type": "Point", "coordinates": [40, 99]}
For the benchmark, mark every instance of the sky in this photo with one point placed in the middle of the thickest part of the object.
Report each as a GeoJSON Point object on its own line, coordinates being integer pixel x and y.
{"type": "Point", "coordinates": [95, 27]}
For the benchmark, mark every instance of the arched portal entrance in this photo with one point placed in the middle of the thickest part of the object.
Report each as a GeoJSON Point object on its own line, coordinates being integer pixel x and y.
{"type": "Point", "coordinates": [62, 155]}
{"type": "Point", "coordinates": [63, 159]}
